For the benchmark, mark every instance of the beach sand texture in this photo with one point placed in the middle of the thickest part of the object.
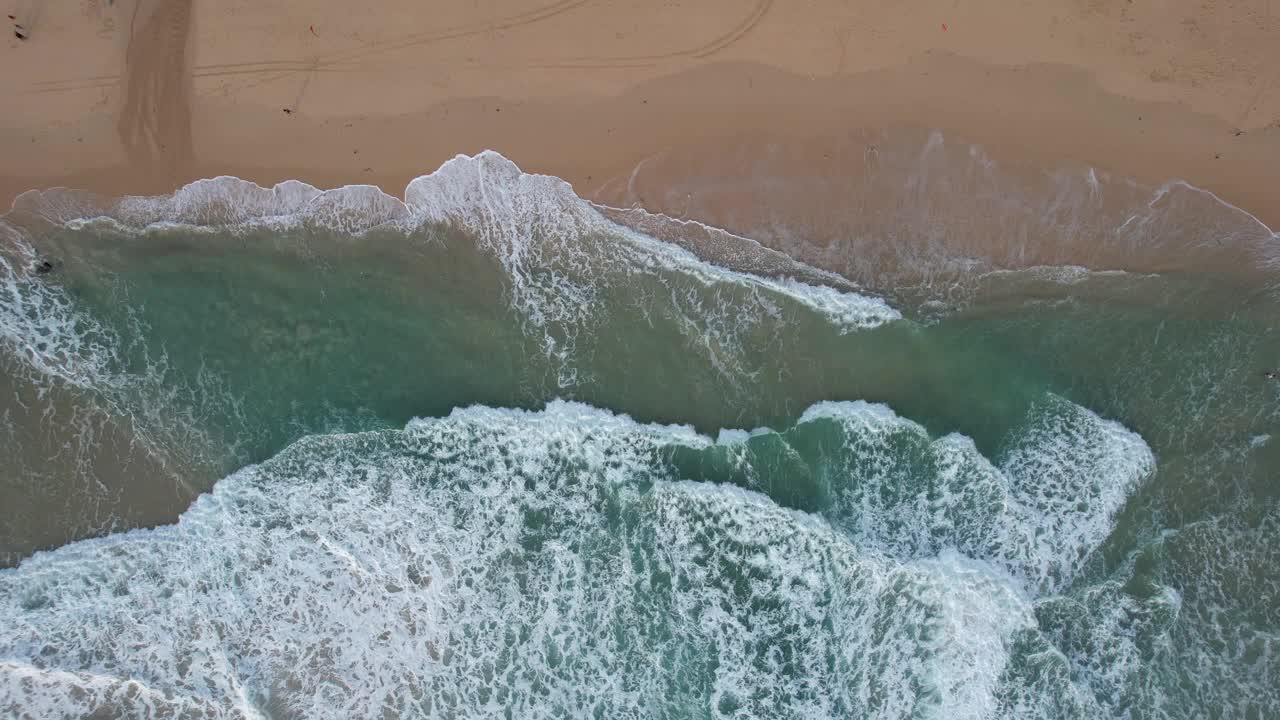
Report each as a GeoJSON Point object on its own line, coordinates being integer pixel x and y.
{"type": "Point", "coordinates": [142, 96]}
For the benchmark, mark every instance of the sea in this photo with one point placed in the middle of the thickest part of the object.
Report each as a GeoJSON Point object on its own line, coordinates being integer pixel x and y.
{"type": "Point", "coordinates": [489, 449]}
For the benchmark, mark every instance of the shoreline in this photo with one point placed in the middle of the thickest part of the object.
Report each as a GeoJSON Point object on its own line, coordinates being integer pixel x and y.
{"type": "Point", "coordinates": [1149, 142]}
{"type": "Point", "coordinates": [590, 120]}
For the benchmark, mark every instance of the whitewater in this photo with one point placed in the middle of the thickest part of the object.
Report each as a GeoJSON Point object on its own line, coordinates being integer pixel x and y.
{"type": "Point", "coordinates": [491, 450]}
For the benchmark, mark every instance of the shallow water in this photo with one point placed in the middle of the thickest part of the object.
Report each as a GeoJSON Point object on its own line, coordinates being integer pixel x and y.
{"type": "Point", "coordinates": [487, 451]}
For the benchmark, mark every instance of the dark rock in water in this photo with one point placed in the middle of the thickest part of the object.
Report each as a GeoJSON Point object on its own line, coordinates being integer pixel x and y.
{"type": "Point", "coordinates": [44, 267]}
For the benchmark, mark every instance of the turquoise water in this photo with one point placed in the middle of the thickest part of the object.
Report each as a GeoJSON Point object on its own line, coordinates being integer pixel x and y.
{"type": "Point", "coordinates": [487, 452]}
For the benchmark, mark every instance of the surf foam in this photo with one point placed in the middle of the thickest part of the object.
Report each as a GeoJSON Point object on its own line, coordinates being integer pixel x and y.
{"type": "Point", "coordinates": [496, 560]}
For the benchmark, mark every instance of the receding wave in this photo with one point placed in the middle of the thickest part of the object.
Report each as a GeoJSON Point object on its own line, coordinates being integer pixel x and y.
{"type": "Point", "coordinates": [284, 452]}
{"type": "Point", "coordinates": [520, 217]}
{"type": "Point", "coordinates": [916, 214]}
{"type": "Point", "coordinates": [542, 270]}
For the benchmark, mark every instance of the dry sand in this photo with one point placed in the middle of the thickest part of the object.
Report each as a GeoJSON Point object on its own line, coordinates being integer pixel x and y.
{"type": "Point", "coordinates": [141, 96]}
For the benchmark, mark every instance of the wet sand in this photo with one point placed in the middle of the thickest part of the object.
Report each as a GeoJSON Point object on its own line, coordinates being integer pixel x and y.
{"type": "Point", "coordinates": [141, 96]}
{"type": "Point", "coordinates": [73, 469]}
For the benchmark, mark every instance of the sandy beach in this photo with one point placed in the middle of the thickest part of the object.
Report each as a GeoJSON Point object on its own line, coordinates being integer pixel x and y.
{"type": "Point", "coordinates": [142, 96]}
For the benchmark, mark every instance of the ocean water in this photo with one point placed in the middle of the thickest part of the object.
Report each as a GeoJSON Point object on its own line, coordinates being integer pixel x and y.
{"type": "Point", "coordinates": [491, 450]}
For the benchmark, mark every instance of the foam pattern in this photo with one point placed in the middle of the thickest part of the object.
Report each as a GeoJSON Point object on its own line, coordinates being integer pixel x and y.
{"type": "Point", "coordinates": [560, 257]}
{"type": "Point", "coordinates": [500, 562]}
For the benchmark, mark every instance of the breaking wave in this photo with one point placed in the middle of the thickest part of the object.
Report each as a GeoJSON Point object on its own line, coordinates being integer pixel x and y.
{"type": "Point", "coordinates": [548, 562]}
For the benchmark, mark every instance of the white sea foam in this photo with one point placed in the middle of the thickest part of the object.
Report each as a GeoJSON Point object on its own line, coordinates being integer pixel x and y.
{"type": "Point", "coordinates": [536, 221]}
{"type": "Point", "coordinates": [384, 571]}
{"type": "Point", "coordinates": [527, 221]}
{"type": "Point", "coordinates": [538, 563]}
{"type": "Point", "coordinates": [1227, 611]}
{"type": "Point", "coordinates": [1063, 274]}
{"type": "Point", "coordinates": [561, 257]}
{"type": "Point", "coordinates": [40, 324]}
{"type": "Point", "coordinates": [907, 639]}
{"type": "Point", "coordinates": [917, 215]}
{"type": "Point", "coordinates": [1039, 510]}
{"type": "Point", "coordinates": [57, 340]}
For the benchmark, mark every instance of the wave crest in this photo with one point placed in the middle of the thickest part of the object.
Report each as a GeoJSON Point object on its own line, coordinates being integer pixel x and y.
{"type": "Point", "coordinates": [543, 561]}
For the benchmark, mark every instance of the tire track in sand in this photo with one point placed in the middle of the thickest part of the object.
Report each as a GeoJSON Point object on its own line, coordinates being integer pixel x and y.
{"type": "Point", "coordinates": [343, 61]}
{"type": "Point", "coordinates": [155, 119]}
{"type": "Point", "coordinates": [705, 50]}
